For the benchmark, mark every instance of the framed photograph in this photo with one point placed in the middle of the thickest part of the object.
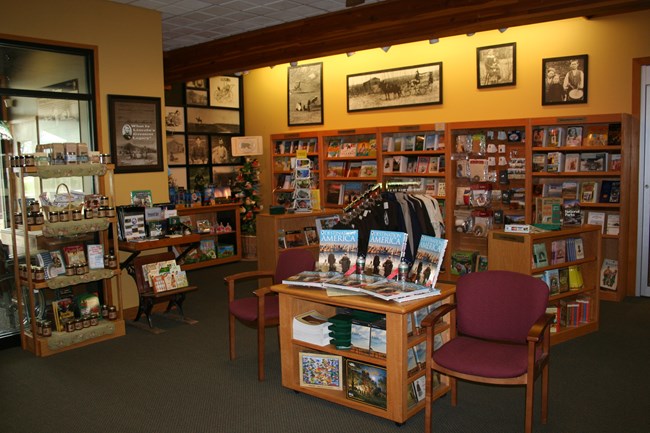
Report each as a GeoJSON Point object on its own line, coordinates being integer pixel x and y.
{"type": "Point", "coordinates": [213, 121]}
{"type": "Point", "coordinates": [398, 87]}
{"type": "Point", "coordinates": [196, 97]}
{"type": "Point", "coordinates": [224, 92]}
{"type": "Point", "coordinates": [177, 176]}
{"type": "Point", "coordinates": [247, 146]}
{"type": "Point", "coordinates": [196, 84]}
{"type": "Point", "coordinates": [305, 94]}
{"type": "Point", "coordinates": [222, 150]}
{"type": "Point", "coordinates": [224, 175]}
{"type": "Point", "coordinates": [365, 383]}
{"type": "Point", "coordinates": [319, 370]}
{"type": "Point", "coordinates": [142, 197]}
{"type": "Point", "coordinates": [565, 80]}
{"type": "Point", "coordinates": [174, 119]}
{"type": "Point", "coordinates": [176, 154]}
{"type": "Point", "coordinates": [135, 129]}
{"type": "Point", "coordinates": [197, 149]}
{"type": "Point", "coordinates": [199, 178]}
{"type": "Point", "coordinates": [496, 65]}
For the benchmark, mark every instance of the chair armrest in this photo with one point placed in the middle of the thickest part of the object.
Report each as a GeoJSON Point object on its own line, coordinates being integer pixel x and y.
{"type": "Point", "coordinates": [433, 316]}
{"type": "Point", "coordinates": [262, 291]}
{"type": "Point", "coordinates": [249, 275]}
{"type": "Point", "coordinates": [538, 328]}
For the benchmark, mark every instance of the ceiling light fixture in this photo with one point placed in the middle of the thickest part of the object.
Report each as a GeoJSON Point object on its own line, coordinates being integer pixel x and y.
{"type": "Point", "coordinates": [351, 53]}
{"type": "Point", "coordinates": [386, 48]}
{"type": "Point", "coordinates": [434, 41]}
{"type": "Point", "coordinates": [471, 34]}
{"type": "Point", "coordinates": [503, 29]}
{"type": "Point", "coordinates": [294, 64]}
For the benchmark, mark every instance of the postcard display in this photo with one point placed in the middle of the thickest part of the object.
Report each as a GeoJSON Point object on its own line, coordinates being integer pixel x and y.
{"type": "Point", "coordinates": [75, 253]}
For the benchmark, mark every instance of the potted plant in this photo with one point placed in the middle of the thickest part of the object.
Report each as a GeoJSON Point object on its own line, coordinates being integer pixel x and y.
{"type": "Point", "coordinates": [246, 189]}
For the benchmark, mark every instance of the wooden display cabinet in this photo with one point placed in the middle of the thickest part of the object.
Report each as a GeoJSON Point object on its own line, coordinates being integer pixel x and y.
{"type": "Point", "coordinates": [295, 300]}
{"type": "Point", "coordinates": [269, 227]}
{"type": "Point", "coordinates": [516, 252]}
{"type": "Point", "coordinates": [284, 148]}
{"type": "Point", "coordinates": [610, 136]}
{"type": "Point", "coordinates": [35, 297]}
{"type": "Point", "coordinates": [345, 156]}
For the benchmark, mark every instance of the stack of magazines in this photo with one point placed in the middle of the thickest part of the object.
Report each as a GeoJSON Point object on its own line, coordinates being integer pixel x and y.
{"type": "Point", "coordinates": [312, 327]}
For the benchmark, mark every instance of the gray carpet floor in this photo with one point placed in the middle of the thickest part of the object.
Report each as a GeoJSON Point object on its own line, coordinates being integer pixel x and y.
{"type": "Point", "coordinates": [182, 381]}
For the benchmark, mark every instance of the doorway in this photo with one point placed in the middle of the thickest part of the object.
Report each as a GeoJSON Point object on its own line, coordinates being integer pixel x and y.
{"type": "Point", "coordinates": [643, 243]}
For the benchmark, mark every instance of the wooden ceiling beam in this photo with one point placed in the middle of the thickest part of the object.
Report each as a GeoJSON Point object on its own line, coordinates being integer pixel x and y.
{"type": "Point", "coordinates": [389, 22]}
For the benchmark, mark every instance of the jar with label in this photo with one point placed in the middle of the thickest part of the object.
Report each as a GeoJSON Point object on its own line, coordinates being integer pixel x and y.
{"type": "Point", "coordinates": [39, 218]}
{"type": "Point", "coordinates": [39, 327]}
{"type": "Point", "coordinates": [70, 158]}
{"type": "Point", "coordinates": [64, 216]}
{"type": "Point", "coordinates": [94, 320]}
{"type": "Point", "coordinates": [105, 158]}
{"type": "Point", "coordinates": [53, 216]}
{"type": "Point", "coordinates": [78, 325]}
{"type": "Point", "coordinates": [70, 270]}
{"type": "Point", "coordinates": [34, 206]}
{"type": "Point", "coordinates": [76, 215]}
{"type": "Point", "coordinates": [30, 219]}
{"type": "Point", "coordinates": [29, 160]}
{"type": "Point", "coordinates": [85, 321]}
{"type": "Point", "coordinates": [88, 213]}
{"type": "Point", "coordinates": [112, 262]}
{"type": "Point", "coordinates": [39, 274]}
{"type": "Point", "coordinates": [18, 218]}
{"type": "Point", "coordinates": [103, 200]}
{"type": "Point", "coordinates": [69, 325]}
{"type": "Point", "coordinates": [101, 212]}
{"type": "Point", "coordinates": [86, 267]}
{"type": "Point", "coordinates": [47, 328]}
{"type": "Point", "coordinates": [112, 313]}
{"type": "Point", "coordinates": [41, 159]}
{"type": "Point", "coordinates": [79, 269]}
{"type": "Point", "coordinates": [109, 211]}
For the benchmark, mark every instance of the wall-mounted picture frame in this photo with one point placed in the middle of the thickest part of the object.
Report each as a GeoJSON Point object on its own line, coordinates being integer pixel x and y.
{"type": "Point", "coordinates": [247, 146]}
{"type": "Point", "coordinates": [564, 80]}
{"type": "Point", "coordinates": [198, 149]}
{"type": "Point", "coordinates": [197, 84]}
{"type": "Point", "coordinates": [135, 130]}
{"type": "Point", "coordinates": [225, 175]}
{"type": "Point", "coordinates": [199, 177]}
{"type": "Point", "coordinates": [395, 88]}
{"type": "Point", "coordinates": [305, 94]}
{"type": "Point", "coordinates": [177, 177]}
{"type": "Point", "coordinates": [496, 65]}
{"type": "Point", "coordinates": [196, 97]}
{"type": "Point", "coordinates": [222, 150]}
{"type": "Point", "coordinates": [320, 370]}
{"type": "Point", "coordinates": [213, 121]}
{"type": "Point", "coordinates": [174, 119]}
{"type": "Point", "coordinates": [224, 91]}
{"type": "Point", "coordinates": [176, 151]}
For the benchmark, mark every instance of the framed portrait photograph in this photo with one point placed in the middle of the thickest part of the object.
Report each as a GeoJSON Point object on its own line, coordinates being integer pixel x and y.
{"type": "Point", "coordinates": [305, 94]}
{"type": "Point", "coordinates": [224, 175]}
{"type": "Point", "coordinates": [247, 146]}
{"type": "Point", "coordinates": [496, 65]}
{"type": "Point", "coordinates": [176, 154]}
{"type": "Point", "coordinates": [199, 178]}
{"type": "Point", "coordinates": [222, 150]}
{"type": "Point", "coordinates": [565, 80]}
{"type": "Point", "coordinates": [197, 149]}
{"type": "Point", "coordinates": [319, 370]}
{"type": "Point", "coordinates": [135, 130]}
{"type": "Point", "coordinates": [174, 119]}
{"type": "Point", "coordinates": [393, 88]}
{"type": "Point", "coordinates": [224, 92]}
{"type": "Point", "coordinates": [213, 121]}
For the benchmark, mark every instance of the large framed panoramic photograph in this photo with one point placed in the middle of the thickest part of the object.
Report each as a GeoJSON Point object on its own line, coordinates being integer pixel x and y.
{"type": "Point", "coordinates": [319, 370]}
{"type": "Point", "coordinates": [496, 65]}
{"type": "Point", "coordinates": [398, 87]}
{"type": "Point", "coordinates": [213, 121]}
{"type": "Point", "coordinates": [305, 94]}
{"type": "Point", "coordinates": [565, 80]}
{"type": "Point", "coordinates": [135, 130]}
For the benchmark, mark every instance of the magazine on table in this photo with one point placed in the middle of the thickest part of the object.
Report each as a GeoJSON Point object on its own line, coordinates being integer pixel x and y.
{"type": "Point", "coordinates": [310, 278]}
{"type": "Point", "coordinates": [385, 252]}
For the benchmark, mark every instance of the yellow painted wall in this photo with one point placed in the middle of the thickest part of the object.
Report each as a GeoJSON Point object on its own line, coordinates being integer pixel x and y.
{"type": "Point", "coordinates": [129, 42]}
{"type": "Point", "coordinates": [611, 43]}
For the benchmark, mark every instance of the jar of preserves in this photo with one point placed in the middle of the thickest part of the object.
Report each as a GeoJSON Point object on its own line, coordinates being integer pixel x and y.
{"type": "Point", "coordinates": [64, 216]}
{"type": "Point", "coordinates": [79, 269]}
{"type": "Point", "coordinates": [53, 216]}
{"type": "Point", "coordinates": [39, 273]}
{"type": "Point", "coordinates": [105, 158]}
{"type": "Point", "coordinates": [39, 327]}
{"type": "Point", "coordinates": [29, 160]}
{"type": "Point", "coordinates": [69, 326]}
{"type": "Point", "coordinates": [34, 206]}
{"type": "Point", "coordinates": [47, 328]}
{"type": "Point", "coordinates": [76, 215]}
{"type": "Point", "coordinates": [103, 200]}
{"type": "Point", "coordinates": [85, 321]}
{"type": "Point", "coordinates": [112, 262]}
{"type": "Point", "coordinates": [112, 313]}
{"type": "Point", "coordinates": [88, 213]}
{"type": "Point", "coordinates": [30, 219]}
{"type": "Point", "coordinates": [105, 311]}
{"type": "Point", "coordinates": [70, 270]}
{"type": "Point", "coordinates": [78, 324]}
{"type": "Point", "coordinates": [109, 211]}
{"type": "Point", "coordinates": [71, 158]}
{"type": "Point", "coordinates": [94, 320]}
{"type": "Point", "coordinates": [39, 218]}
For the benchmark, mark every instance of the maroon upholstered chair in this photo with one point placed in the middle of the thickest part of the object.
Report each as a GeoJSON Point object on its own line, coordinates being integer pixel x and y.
{"type": "Point", "coordinates": [262, 310]}
{"type": "Point", "coordinates": [499, 334]}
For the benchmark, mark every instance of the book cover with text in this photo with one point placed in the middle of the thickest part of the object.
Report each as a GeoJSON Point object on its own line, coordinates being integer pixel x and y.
{"type": "Point", "coordinates": [428, 259]}
{"type": "Point", "coordinates": [385, 251]}
{"type": "Point", "coordinates": [338, 250]}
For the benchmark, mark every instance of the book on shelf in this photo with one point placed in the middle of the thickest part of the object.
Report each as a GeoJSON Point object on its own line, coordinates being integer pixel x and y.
{"type": "Point", "coordinates": [609, 274]}
{"type": "Point", "coordinates": [326, 222]}
{"type": "Point", "coordinates": [548, 210]}
{"type": "Point", "coordinates": [388, 144]}
{"type": "Point", "coordinates": [142, 198]}
{"type": "Point", "coordinates": [596, 135]}
{"type": "Point", "coordinates": [378, 336]}
{"type": "Point", "coordinates": [422, 164]}
{"type": "Point", "coordinates": [563, 280]}
{"type": "Point", "coordinates": [365, 147]}
{"type": "Point", "coordinates": [52, 263]}
{"type": "Point", "coordinates": [580, 249]}
{"type": "Point", "coordinates": [95, 256]}
{"type": "Point", "coordinates": [333, 148]}
{"type": "Point", "coordinates": [311, 235]}
{"type": "Point", "coordinates": [571, 213]}
{"type": "Point", "coordinates": [434, 164]}
{"type": "Point", "coordinates": [615, 162]}
{"type": "Point", "coordinates": [593, 161]}
{"type": "Point", "coordinates": [336, 168]}
{"type": "Point", "coordinates": [610, 191]}
{"type": "Point", "coordinates": [338, 250]}
{"type": "Point", "coordinates": [539, 162]}
{"type": "Point", "coordinates": [614, 132]}
{"type": "Point", "coordinates": [384, 253]}
{"type": "Point", "coordinates": [282, 243]}
{"type": "Point", "coordinates": [62, 310]}
{"type": "Point", "coordinates": [87, 303]}
{"type": "Point", "coordinates": [463, 262]}
{"type": "Point", "coordinates": [430, 141]}
{"type": "Point", "coordinates": [613, 224]}
{"type": "Point", "coordinates": [294, 238]}
{"type": "Point", "coordinates": [368, 169]}
{"type": "Point", "coordinates": [554, 136]}
{"type": "Point", "coordinates": [74, 255]}
{"type": "Point", "coordinates": [347, 149]}
{"type": "Point", "coordinates": [207, 250]}
{"type": "Point", "coordinates": [571, 162]}
{"type": "Point", "coordinates": [540, 257]}
{"type": "Point", "coordinates": [428, 260]}
{"type": "Point", "coordinates": [554, 310]}
{"type": "Point", "coordinates": [310, 278]}
{"type": "Point", "coordinates": [334, 193]}
{"type": "Point", "coordinates": [539, 136]}
{"type": "Point", "coordinates": [409, 143]}
{"type": "Point", "coordinates": [552, 279]}
{"type": "Point", "coordinates": [312, 327]}
{"type": "Point", "coordinates": [597, 218]}
{"type": "Point", "coordinates": [552, 189]}
{"type": "Point", "coordinates": [555, 162]}
{"type": "Point", "coordinates": [573, 136]}
{"type": "Point", "coordinates": [351, 191]}
{"type": "Point", "coordinates": [569, 190]}
{"type": "Point", "coordinates": [589, 191]}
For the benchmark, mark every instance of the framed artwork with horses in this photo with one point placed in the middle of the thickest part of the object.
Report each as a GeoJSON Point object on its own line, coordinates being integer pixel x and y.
{"type": "Point", "coordinates": [496, 65]}
{"type": "Point", "coordinates": [395, 88]}
{"type": "Point", "coordinates": [305, 94]}
{"type": "Point", "coordinates": [564, 80]}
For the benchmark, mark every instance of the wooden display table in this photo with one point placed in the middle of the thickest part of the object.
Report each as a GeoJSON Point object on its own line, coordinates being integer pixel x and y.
{"type": "Point", "coordinates": [295, 300]}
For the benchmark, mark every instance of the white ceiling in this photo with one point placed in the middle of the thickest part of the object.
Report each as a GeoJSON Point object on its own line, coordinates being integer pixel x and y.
{"type": "Point", "coordinates": [191, 22]}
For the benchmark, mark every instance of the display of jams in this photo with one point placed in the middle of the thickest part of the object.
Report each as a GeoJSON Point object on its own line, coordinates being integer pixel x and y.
{"type": "Point", "coordinates": [39, 218]}
{"type": "Point", "coordinates": [39, 273]}
{"type": "Point", "coordinates": [29, 161]}
{"type": "Point", "coordinates": [94, 320]}
{"type": "Point", "coordinates": [70, 270]}
{"type": "Point", "coordinates": [64, 217]}
{"type": "Point", "coordinates": [47, 328]}
{"type": "Point", "coordinates": [109, 212]}
{"type": "Point", "coordinates": [69, 326]}
{"type": "Point", "coordinates": [112, 262]}
{"type": "Point", "coordinates": [105, 158]}
{"type": "Point", "coordinates": [53, 216]}
{"type": "Point", "coordinates": [88, 213]}
{"type": "Point", "coordinates": [76, 215]}
{"type": "Point", "coordinates": [112, 313]}
{"type": "Point", "coordinates": [103, 201]}
{"type": "Point", "coordinates": [78, 324]}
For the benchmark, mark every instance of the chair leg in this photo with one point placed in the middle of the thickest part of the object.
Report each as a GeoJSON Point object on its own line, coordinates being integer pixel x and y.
{"type": "Point", "coordinates": [261, 345]}
{"type": "Point", "coordinates": [530, 390]}
{"type": "Point", "coordinates": [231, 336]}
{"type": "Point", "coordinates": [454, 390]}
{"type": "Point", "coordinates": [545, 394]}
{"type": "Point", "coordinates": [428, 402]}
